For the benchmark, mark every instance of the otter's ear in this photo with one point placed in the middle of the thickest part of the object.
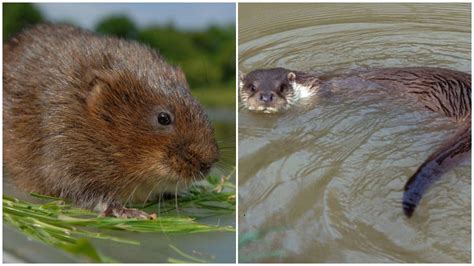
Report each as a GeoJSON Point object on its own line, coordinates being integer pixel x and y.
{"type": "Point", "coordinates": [291, 76]}
{"type": "Point", "coordinates": [241, 79]}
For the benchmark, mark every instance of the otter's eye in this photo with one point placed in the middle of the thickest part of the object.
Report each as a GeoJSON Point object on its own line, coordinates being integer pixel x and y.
{"type": "Point", "coordinates": [164, 118]}
{"type": "Point", "coordinates": [251, 87]}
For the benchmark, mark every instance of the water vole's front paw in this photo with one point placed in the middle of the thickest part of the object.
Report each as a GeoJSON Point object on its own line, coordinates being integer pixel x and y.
{"type": "Point", "coordinates": [122, 212]}
{"type": "Point", "coordinates": [131, 213]}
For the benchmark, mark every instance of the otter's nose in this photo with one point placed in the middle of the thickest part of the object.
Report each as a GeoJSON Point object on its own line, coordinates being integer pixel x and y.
{"type": "Point", "coordinates": [266, 97]}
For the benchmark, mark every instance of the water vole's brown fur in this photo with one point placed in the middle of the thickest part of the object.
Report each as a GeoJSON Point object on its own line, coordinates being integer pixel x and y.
{"type": "Point", "coordinates": [80, 119]}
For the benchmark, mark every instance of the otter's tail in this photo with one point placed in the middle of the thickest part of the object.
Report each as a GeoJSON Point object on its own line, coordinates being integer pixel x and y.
{"type": "Point", "coordinates": [446, 157]}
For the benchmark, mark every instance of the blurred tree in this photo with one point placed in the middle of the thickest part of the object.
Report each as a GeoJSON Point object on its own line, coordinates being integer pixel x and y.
{"type": "Point", "coordinates": [178, 47]}
{"type": "Point", "coordinates": [201, 72]}
{"type": "Point", "coordinates": [18, 15]}
{"type": "Point", "coordinates": [118, 25]}
{"type": "Point", "coordinates": [219, 45]}
{"type": "Point", "coordinates": [213, 38]}
{"type": "Point", "coordinates": [175, 45]}
{"type": "Point", "coordinates": [226, 60]}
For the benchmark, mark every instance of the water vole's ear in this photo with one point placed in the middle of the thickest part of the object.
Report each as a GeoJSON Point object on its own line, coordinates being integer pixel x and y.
{"type": "Point", "coordinates": [291, 77]}
{"type": "Point", "coordinates": [98, 81]}
{"type": "Point", "coordinates": [241, 79]}
{"type": "Point", "coordinates": [100, 77]}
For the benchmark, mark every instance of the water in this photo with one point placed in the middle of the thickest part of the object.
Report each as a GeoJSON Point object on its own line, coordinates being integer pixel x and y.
{"type": "Point", "coordinates": [324, 184]}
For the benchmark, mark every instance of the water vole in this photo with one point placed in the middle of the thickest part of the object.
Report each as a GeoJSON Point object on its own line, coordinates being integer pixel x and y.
{"type": "Point", "coordinates": [99, 120]}
{"type": "Point", "coordinates": [444, 91]}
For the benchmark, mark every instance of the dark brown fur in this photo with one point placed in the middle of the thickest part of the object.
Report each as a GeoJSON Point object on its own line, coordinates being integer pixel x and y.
{"type": "Point", "coordinates": [447, 92]}
{"type": "Point", "coordinates": [444, 91]}
{"type": "Point", "coordinates": [79, 119]}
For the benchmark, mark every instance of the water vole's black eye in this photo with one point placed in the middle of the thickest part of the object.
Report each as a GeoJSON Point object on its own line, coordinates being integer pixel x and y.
{"type": "Point", "coordinates": [282, 88]}
{"type": "Point", "coordinates": [164, 118]}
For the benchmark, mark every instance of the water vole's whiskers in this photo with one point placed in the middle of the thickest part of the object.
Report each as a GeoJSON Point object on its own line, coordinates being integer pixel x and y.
{"type": "Point", "coordinates": [176, 198]}
{"type": "Point", "coordinates": [130, 197]}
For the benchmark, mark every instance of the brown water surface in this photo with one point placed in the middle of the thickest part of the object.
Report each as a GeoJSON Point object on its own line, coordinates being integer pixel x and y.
{"type": "Point", "coordinates": [324, 184]}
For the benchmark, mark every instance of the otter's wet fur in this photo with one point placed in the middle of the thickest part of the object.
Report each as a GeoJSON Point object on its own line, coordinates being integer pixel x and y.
{"type": "Point", "coordinates": [99, 120]}
{"type": "Point", "coordinates": [444, 91]}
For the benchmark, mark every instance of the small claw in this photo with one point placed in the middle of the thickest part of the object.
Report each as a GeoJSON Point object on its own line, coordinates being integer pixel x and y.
{"type": "Point", "coordinates": [122, 212]}
{"type": "Point", "coordinates": [130, 213]}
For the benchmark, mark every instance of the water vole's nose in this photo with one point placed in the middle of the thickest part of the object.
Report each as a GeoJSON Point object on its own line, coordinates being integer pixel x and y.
{"type": "Point", "coordinates": [205, 168]}
{"type": "Point", "coordinates": [266, 97]}
{"type": "Point", "coordinates": [205, 165]}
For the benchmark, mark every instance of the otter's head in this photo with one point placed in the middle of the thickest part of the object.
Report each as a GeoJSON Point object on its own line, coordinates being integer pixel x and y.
{"type": "Point", "coordinates": [271, 90]}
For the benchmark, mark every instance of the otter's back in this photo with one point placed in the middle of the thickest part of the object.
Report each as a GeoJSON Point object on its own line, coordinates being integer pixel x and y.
{"type": "Point", "coordinates": [441, 90]}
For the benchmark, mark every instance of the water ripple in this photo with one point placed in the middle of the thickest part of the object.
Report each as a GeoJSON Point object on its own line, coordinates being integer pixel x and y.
{"type": "Point", "coordinates": [324, 184]}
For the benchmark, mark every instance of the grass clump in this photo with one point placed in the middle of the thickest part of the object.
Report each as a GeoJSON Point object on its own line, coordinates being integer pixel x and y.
{"type": "Point", "coordinates": [62, 225]}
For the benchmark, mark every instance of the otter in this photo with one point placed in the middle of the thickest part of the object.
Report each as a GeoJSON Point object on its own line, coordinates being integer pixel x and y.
{"type": "Point", "coordinates": [444, 91]}
{"type": "Point", "coordinates": [99, 120]}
